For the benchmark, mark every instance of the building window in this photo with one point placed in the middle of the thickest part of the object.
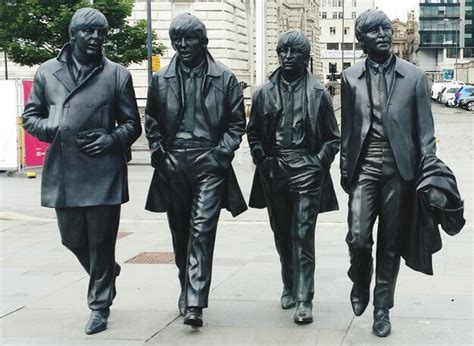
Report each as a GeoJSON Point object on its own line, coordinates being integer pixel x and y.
{"type": "Point", "coordinates": [332, 30]}
{"type": "Point", "coordinates": [334, 15]}
{"type": "Point", "coordinates": [451, 53]}
{"type": "Point", "coordinates": [358, 46]}
{"type": "Point", "coordinates": [347, 46]}
{"type": "Point", "coordinates": [182, 7]}
{"type": "Point", "coordinates": [324, 15]}
{"type": "Point", "coordinates": [354, 15]}
{"type": "Point", "coordinates": [354, 3]}
{"type": "Point", "coordinates": [469, 52]}
{"type": "Point", "coordinates": [334, 3]}
{"type": "Point", "coordinates": [346, 30]}
{"type": "Point", "coordinates": [332, 46]}
{"type": "Point", "coordinates": [340, 15]}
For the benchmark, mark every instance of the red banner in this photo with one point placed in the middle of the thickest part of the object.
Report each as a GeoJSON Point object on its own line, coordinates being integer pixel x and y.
{"type": "Point", "coordinates": [35, 150]}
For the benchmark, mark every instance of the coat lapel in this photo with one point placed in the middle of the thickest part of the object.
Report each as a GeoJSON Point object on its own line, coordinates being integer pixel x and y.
{"type": "Point", "coordinates": [314, 91]}
{"type": "Point", "coordinates": [65, 78]}
{"type": "Point", "coordinates": [398, 73]}
{"type": "Point", "coordinates": [174, 86]}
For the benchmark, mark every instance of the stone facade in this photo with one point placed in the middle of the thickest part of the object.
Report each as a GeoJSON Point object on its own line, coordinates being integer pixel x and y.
{"type": "Point", "coordinates": [231, 30]}
{"type": "Point", "coordinates": [399, 40]}
{"type": "Point", "coordinates": [283, 15]}
{"type": "Point", "coordinates": [337, 36]}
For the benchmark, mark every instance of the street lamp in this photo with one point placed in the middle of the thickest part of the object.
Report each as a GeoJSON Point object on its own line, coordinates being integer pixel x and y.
{"type": "Point", "coordinates": [458, 20]}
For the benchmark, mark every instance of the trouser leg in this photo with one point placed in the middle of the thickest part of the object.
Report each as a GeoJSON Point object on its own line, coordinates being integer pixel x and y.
{"type": "Point", "coordinates": [91, 233]}
{"type": "Point", "coordinates": [279, 209]}
{"type": "Point", "coordinates": [305, 213]}
{"type": "Point", "coordinates": [305, 179]}
{"type": "Point", "coordinates": [102, 227]}
{"type": "Point", "coordinates": [179, 211]}
{"type": "Point", "coordinates": [363, 210]}
{"type": "Point", "coordinates": [73, 229]}
{"type": "Point", "coordinates": [392, 218]}
{"type": "Point", "coordinates": [205, 211]}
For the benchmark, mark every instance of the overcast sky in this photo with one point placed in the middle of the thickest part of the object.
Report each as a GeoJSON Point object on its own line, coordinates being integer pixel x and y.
{"type": "Point", "coordinates": [397, 8]}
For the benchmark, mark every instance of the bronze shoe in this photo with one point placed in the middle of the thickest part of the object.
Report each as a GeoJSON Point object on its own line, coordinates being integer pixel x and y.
{"type": "Point", "coordinates": [193, 317]}
{"type": "Point", "coordinates": [97, 321]}
{"type": "Point", "coordinates": [359, 299]}
{"type": "Point", "coordinates": [304, 314]}
{"type": "Point", "coordinates": [382, 326]}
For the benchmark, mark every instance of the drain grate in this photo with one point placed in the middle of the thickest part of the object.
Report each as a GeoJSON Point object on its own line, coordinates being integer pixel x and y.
{"type": "Point", "coordinates": [121, 235]}
{"type": "Point", "coordinates": [152, 258]}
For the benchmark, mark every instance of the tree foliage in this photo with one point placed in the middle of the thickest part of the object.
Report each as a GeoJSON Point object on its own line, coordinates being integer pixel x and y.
{"type": "Point", "coordinates": [33, 31]}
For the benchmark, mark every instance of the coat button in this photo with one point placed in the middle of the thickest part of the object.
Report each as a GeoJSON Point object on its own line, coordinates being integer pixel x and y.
{"type": "Point", "coordinates": [66, 105]}
{"type": "Point", "coordinates": [64, 127]}
{"type": "Point", "coordinates": [89, 105]}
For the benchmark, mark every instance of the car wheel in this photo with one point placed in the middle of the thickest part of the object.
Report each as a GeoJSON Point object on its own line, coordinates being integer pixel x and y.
{"type": "Point", "coordinates": [470, 106]}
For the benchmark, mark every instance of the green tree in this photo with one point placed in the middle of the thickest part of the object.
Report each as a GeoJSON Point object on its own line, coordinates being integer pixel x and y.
{"type": "Point", "coordinates": [33, 31]}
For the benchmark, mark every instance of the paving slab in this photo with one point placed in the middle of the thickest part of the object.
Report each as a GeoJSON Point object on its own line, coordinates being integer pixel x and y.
{"type": "Point", "coordinates": [412, 331]}
{"type": "Point", "coordinates": [183, 335]}
{"type": "Point", "coordinates": [124, 325]}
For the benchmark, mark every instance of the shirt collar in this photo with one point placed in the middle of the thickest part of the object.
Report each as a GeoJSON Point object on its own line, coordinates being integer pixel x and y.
{"type": "Point", "coordinates": [293, 86]}
{"type": "Point", "coordinates": [198, 70]}
{"type": "Point", "coordinates": [386, 66]}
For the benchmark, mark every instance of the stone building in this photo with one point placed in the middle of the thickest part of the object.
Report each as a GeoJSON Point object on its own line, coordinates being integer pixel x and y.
{"type": "Point", "coordinates": [399, 39]}
{"type": "Point", "coordinates": [339, 47]}
{"type": "Point", "coordinates": [231, 31]}
{"type": "Point", "coordinates": [413, 37]}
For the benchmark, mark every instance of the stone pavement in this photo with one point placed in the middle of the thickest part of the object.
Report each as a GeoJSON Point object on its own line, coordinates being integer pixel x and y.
{"type": "Point", "coordinates": [43, 288]}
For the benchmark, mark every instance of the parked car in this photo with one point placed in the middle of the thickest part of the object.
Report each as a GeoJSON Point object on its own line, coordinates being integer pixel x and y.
{"type": "Point", "coordinates": [439, 87]}
{"type": "Point", "coordinates": [449, 94]}
{"type": "Point", "coordinates": [467, 102]}
{"type": "Point", "coordinates": [466, 90]}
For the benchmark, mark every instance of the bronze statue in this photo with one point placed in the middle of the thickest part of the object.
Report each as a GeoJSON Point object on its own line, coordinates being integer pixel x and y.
{"type": "Point", "coordinates": [194, 122]}
{"type": "Point", "coordinates": [386, 130]}
{"type": "Point", "coordinates": [293, 137]}
{"type": "Point", "coordinates": [84, 105]}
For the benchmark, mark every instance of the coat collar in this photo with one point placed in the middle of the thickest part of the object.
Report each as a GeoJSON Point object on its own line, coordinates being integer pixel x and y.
{"type": "Point", "coordinates": [311, 81]}
{"type": "Point", "coordinates": [399, 68]}
{"type": "Point", "coordinates": [63, 74]}
{"type": "Point", "coordinates": [312, 102]}
{"type": "Point", "coordinates": [213, 69]}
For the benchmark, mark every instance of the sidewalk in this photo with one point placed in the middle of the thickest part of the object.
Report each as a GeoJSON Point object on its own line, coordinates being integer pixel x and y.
{"type": "Point", "coordinates": [43, 288]}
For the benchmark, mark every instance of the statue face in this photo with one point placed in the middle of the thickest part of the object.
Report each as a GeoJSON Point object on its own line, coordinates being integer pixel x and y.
{"type": "Point", "coordinates": [190, 49]}
{"type": "Point", "coordinates": [89, 40]}
{"type": "Point", "coordinates": [378, 39]}
{"type": "Point", "coordinates": [292, 60]}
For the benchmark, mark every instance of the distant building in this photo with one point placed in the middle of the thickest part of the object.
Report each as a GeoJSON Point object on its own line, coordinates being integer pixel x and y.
{"type": "Point", "coordinates": [399, 38]}
{"type": "Point", "coordinates": [231, 31]}
{"type": "Point", "coordinates": [339, 47]}
{"type": "Point", "coordinates": [445, 36]}
{"type": "Point", "coordinates": [413, 38]}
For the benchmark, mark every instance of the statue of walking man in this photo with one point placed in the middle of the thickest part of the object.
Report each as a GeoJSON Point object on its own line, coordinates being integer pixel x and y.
{"type": "Point", "coordinates": [84, 105]}
{"type": "Point", "coordinates": [293, 137]}
{"type": "Point", "coordinates": [386, 130]}
{"type": "Point", "coordinates": [195, 120]}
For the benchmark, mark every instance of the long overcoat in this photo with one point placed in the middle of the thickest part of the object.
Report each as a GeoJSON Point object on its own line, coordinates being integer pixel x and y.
{"type": "Point", "coordinates": [57, 110]}
{"type": "Point", "coordinates": [321, 127]}
{"type": "Point", "coordinates": [223, 106]}
{"type": "Point", "coordinates": [408, 120]}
